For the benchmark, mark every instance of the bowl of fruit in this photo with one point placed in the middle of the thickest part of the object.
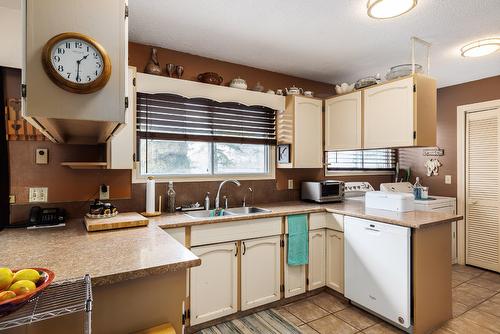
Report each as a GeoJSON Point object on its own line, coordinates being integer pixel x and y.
{"type": "Point", "coordinates": [17, 287]}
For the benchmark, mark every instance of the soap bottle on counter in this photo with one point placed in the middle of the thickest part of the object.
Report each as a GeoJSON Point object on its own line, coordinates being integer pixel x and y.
{"type": "Point", "coordinates": [171, 198]}
{"type": "Point", "coordinates": [207, 201]}
{"type": "Point", "coordinates": [417, 189]}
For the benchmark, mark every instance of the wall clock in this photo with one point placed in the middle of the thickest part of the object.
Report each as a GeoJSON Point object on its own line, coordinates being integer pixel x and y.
{"type": "Point", "coordinates": [284, 154]}
{"type": "Point", "coordinates": [76, 63]}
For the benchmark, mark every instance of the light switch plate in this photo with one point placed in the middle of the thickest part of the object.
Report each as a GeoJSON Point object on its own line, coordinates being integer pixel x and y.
{"type": "Point", "coordinates": [103, 195]}
{"type": "Point", "coordinates": [38, 195]}
{"type": "Point", "coordinates": [447, 179]}
{"type": "Point", "coordinates": [290, 184]}
{"type": "Point", "coordinates": [12, 199]}
{"type": "Point", "coordinates": [42, 156]}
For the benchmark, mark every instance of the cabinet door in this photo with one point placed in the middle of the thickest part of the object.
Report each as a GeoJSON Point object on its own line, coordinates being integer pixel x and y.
{"type": "Point", "coordinates": [343, 129]}
{"type": "Point", "coordinates": [260, 271]}
{"type": "Point", "coordinates": [335, 260]}
{"type": "Point", "coordinates": [295, 277]}
{"type": "Point", "coordinates": [308, 133]}
{"type": "Point", "coordinates": [388, 115]}
{"type": "Point", "coordinates": [316, 259]}
{"type": "Point", "coordinates": [214, 283]}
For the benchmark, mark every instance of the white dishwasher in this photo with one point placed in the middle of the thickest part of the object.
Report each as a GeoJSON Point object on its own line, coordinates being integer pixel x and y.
{"type": "Point", "coordinates": [377, 269]}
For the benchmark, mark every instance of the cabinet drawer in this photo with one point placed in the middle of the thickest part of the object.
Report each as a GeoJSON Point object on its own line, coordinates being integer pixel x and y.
{"type": "Point", "coordinates": [335, 222]}
{"type": "Point", "coordinates": [239, 230]}
{"type": "Point", "coordinates": [317, 220]}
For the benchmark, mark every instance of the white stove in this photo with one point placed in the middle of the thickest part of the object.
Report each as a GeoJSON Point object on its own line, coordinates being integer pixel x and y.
{"type": "Point", "coordinates": [356, 190]}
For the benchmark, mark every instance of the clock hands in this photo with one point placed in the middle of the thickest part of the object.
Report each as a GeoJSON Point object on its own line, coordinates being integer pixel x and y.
{"type": "Point", "coordinates": [78, 67]}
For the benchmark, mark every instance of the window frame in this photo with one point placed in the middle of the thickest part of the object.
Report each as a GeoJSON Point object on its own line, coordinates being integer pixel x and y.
{"type": "Point", "coordinates": [137, 177]}
{"type": "Point", "coordinates": [356, 171]}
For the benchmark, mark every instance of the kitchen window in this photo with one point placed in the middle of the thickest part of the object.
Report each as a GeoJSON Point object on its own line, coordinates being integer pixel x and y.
{"type": "Point", "coordinates": [194, 138]}
{"type": "Point", "coordinates": [379, 161]}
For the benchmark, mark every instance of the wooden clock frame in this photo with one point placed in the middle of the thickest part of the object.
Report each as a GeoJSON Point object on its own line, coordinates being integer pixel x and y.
{"type": "Point", "coordinates": [82, 88]}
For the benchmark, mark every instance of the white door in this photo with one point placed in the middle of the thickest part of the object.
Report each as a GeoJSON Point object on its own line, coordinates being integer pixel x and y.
{"type": "Point", "coordinates": [308, 131]}
{"type": "Point", "coordinates": [388, 115]}
{"type": "Point", "coordinates": [335, 260]}
{"type": "Point", "coordinates": [343, 129]}
{"type": "Point", "coordinates": [316, 277]}
{"type": "Point", "coordinates": [481, 188]}
{"type": "Point", "coordinates": [214, 284]}
{"type": "Point", "coordinates": [295, 276]}
{"type": "Point", "coordinates": [260, 271]}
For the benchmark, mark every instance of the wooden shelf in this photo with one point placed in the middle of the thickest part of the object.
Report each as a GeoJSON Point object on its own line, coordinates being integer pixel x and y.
{"type": "Point", "coordinates": [85, 165]}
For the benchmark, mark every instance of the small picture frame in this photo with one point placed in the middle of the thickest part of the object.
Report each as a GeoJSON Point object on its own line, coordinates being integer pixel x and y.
{"type": "Point", "coordinates": [284, 154]}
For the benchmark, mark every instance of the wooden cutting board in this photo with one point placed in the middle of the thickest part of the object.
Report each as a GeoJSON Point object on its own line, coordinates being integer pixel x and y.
{"type": "Point", "coordinates": [121, 220]}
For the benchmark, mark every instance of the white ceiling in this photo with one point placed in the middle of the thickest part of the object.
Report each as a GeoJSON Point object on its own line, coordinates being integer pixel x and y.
{"type": "Point", "coordinates": [324, 40]}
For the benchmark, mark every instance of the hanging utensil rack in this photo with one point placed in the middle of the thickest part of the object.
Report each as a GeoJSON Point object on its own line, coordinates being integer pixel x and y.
{"type": "Point", "coordinates": [60, 298]}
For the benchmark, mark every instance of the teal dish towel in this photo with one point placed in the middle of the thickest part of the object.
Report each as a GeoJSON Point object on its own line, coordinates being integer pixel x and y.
{"type": "Point", "coordinates": [298, 240]}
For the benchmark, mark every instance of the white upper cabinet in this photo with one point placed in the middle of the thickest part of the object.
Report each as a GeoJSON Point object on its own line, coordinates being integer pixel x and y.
{"type": "Point", "coordinates": [214, 284]}
{"type": "Point", "coordinates": [67, 116]}
{"type": "Point", "coordinates": [301, 126]}
{"type": "Point", "coordinates": [400, 113]}
{"type": "Point", "coordinates": [343, 122]}
{"type": "Point", "coordinates": [260, 271]}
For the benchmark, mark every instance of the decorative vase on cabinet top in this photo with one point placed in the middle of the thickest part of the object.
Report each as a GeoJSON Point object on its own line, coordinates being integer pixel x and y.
{"type": "Point", "coordinates": [153, 66]}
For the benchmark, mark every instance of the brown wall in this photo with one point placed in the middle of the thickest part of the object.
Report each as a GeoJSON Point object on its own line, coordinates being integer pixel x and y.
{"type": "Point", "coordinates": [448, 98]}
{"type": "Point", "coordinates": [71, 189]}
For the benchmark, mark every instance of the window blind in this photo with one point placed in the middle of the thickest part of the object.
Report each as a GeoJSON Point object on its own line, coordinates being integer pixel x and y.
{"type": "Point", "coordinates": [380, 159]}
{"type": "Point", "coordinates": [174, 117]}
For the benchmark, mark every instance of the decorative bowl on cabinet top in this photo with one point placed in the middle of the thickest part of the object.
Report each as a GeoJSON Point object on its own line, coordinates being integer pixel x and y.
{"type": "Point", "coordinates": [238, 83]}
{"type": "Point", "coordinates": [210, 78]}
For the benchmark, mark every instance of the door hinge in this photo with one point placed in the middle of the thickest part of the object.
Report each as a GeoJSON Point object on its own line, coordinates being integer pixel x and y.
{"type": "Point", "coordinates": [133, 82]}
{"type": "Point", "coordinates": [126, 102]}
{"type": "Point", "coordinates": [307, 281]}
{"type": "Point", "coordinates": [414, 134]}
{"type": "Point", "coordinates": [282, 288]}
{"type": "Point", "coordinates": [23, 90]}
{"type": "Point", "coordinates": [133, 157]}
{"type": "Point", "coordinates": [282, 243]}
{"type": "Point", "coordinates": [126, 11]}
{"type": "Point", "coordinates": [414, 88]}
{"type": "Point", "coordinates": [189, 313]}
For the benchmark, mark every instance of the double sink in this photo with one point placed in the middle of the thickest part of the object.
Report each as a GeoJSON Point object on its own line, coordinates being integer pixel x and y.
{"type": "Point", "coordinates": [241, 211]}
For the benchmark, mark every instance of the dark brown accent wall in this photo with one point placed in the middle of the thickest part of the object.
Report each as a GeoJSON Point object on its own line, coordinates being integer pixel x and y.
{"type": "Point", "coordinates": [448, 99]}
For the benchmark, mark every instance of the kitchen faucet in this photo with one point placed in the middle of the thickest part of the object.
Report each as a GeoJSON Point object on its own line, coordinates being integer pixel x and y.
{"type": "Point", "coordinates": [244, 203]}
{"type": "Point", "coordinates": [217, 198]}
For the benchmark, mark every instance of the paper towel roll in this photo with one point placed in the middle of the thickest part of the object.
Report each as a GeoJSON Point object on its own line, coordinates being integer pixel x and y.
{"type": "Point", "coordinates": [150, 195]}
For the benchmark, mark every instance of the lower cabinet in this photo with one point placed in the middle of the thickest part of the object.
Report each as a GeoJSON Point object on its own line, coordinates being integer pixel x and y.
{"type": "Point", "coordinates": [335, 260]}
{"type": "Point", "coordinates": [316, 259]}
{"type": "Point", "coordinates": [260, 271]}
{"type": "Point", "coordinates": [214, 284]}
{"type": "Point", "coordinates": [295, 276]}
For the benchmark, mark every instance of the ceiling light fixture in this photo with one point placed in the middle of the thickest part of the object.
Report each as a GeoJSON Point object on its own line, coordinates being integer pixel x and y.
{"type": "Point", "coordinates": [385, 9]}
{"type": "Point", "coordinates": [481, 47]}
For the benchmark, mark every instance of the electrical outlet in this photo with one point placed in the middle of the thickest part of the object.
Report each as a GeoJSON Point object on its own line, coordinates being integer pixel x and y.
{"type": "Point", "coordinates": [40, 194]}
{"type": "Point", "coordinates": [447, 179]}
{"type": "Point", "coordinates": [42, 156]}
{"type": "Point", "coordinates": [103, 192]}
{"type": "Point", "coordinates": [290, 184]}
{"type": "Point", "coordinates": [12, 199]}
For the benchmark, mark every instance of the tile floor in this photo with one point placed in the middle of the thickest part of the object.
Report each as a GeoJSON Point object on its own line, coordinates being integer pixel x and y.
{"type": "Point", "coordinates": [476, 309]}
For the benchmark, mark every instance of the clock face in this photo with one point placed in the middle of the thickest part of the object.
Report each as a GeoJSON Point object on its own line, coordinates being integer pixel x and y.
{"type": "Point", "coordinates": [76, 60]}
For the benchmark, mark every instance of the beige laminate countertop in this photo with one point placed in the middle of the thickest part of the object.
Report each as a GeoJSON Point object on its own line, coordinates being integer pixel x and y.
{"type": "Point", "coordinates": [413, 219]}
{"type": "Point", "coordinates": [108, 256]}
{"type": "Point", "coordinates": [119, 255]}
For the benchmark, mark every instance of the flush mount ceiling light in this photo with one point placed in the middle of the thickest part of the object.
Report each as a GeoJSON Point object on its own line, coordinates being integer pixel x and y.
{"type": "Point", "coordinates": [481, 47]}
{"type": "Point", "coordinates": [385, 9]}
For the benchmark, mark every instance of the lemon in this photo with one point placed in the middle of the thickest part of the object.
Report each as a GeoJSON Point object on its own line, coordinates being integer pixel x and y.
{"type": "Point", "coordinates": [6, 277]}
{"type": "Point", "coordinates": [5, 295]}
{"type": "Point", "coordinates": [26, 274]}
{"type": "Point", "coordinates": [22, 287]}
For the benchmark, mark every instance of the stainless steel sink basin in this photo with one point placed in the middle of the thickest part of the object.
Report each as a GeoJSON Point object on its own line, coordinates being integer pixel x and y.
{"type": "Point", "coordinates": [206, 214]}
{"type": "Point", "coordinates": [247, 210]}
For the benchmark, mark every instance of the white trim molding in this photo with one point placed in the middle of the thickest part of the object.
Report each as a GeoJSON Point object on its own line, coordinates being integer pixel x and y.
{"type": "Point", "coordinates": [462, 111]}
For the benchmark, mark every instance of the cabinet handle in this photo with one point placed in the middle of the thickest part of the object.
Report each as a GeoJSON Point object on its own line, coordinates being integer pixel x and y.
{"type": "Point", "coordinates": [236, 251]}
{"type": "Point", "coordinates": [244, 248]}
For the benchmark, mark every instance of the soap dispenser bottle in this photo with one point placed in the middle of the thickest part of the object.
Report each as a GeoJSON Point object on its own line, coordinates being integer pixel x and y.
{"type": "Point", "coordinates": [207, 201]}
{"type": "Point", "coordinates": [171, 198]}
{"type": "Point", "coordinates": [417, 189]}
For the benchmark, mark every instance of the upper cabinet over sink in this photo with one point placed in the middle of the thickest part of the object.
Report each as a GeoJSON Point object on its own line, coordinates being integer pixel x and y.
{"type": "Point", "coordinates": [64, 116]}
{"type": "Point", "coordinates": [343, 122]}
{"type": "Point", "coordinates": [400, 113]}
